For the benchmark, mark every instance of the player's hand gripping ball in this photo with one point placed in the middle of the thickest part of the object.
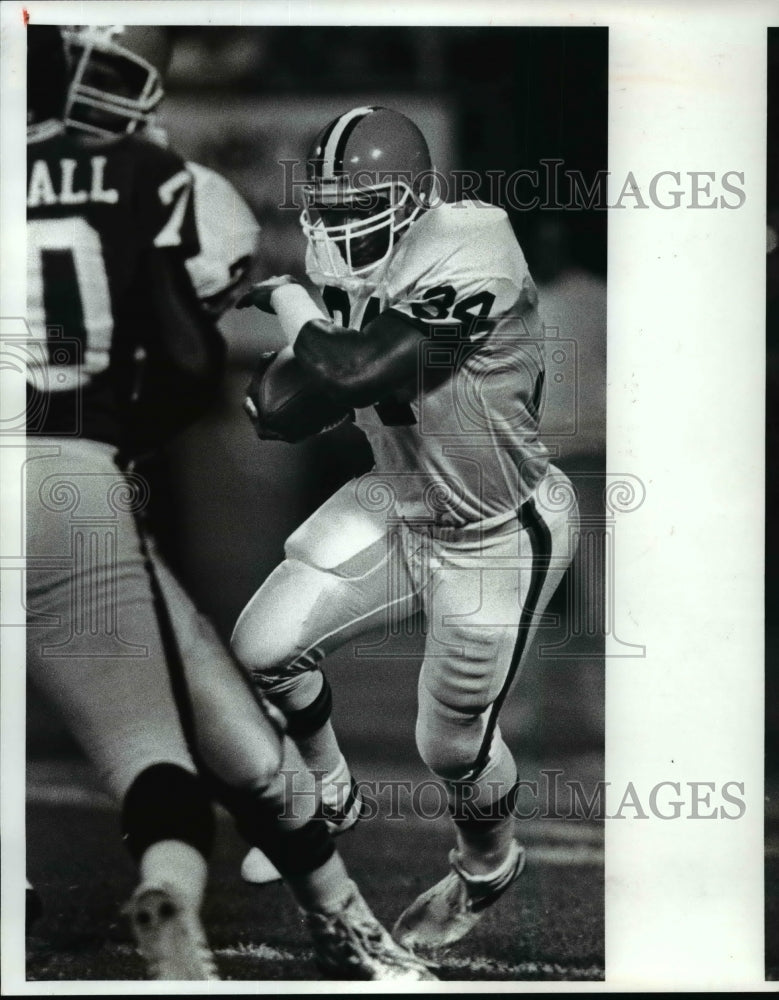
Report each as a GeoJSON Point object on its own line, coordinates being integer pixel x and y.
{"type": "Point", "coordinates": [284, 404]}
{"type": "Point", "coordinates": [259, 294]}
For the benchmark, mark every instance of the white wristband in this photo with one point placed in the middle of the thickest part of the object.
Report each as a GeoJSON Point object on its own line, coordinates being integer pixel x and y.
{"type": "Point", "coordinates": [294, 308]}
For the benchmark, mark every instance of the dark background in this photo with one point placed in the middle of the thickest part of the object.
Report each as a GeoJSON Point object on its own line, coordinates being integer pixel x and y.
{"type": "Point", "coordinates": [772, 507]}
{"type": "Point", "coordinates": [772, 401]}
{"type": "Point", "coordinates": [519, 96]}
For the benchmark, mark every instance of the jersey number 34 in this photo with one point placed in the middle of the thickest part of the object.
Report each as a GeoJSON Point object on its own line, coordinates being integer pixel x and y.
{"type": "Point", "coordinates": [471, 314]}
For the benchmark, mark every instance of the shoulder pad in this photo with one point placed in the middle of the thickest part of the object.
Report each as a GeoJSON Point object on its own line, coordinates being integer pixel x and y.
{"type": "Point", "coordinates": [466, 245]}
{"type": "Point", "coordinates": [227, 231]}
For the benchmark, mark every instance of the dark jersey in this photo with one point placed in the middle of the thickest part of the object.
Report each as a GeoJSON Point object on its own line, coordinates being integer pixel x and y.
{"type": "Point", "coordinates": [110, 306]}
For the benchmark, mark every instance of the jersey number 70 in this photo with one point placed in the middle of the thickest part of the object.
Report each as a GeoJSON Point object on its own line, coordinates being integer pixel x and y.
{"type": "Point", "coordinates": [67, 290]}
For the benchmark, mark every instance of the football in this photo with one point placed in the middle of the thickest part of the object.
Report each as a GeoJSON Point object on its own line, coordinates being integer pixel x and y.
{"type": "Point", "coordinates": [289, 406]}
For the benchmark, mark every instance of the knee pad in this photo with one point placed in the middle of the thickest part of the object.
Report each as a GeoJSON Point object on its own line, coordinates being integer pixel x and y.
{"type": "Point", "coordinates": [275, 636]}
{"type": "Point", "coordinates": [448, 737]}
{"type": "Point", "coordinates": [252, 763]}
{"type": "Point", "coordinates": [166, 802]}
{"type": "Point", "coordinates": [463, 747]}
{"type": "Point", "coordinates": [470, 678]}
{"type": "Point", "coordinates": [449, 750]}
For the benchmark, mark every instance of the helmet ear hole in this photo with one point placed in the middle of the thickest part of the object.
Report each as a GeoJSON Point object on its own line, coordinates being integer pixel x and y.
{"type": "Point", "coordinates": [426, 189]}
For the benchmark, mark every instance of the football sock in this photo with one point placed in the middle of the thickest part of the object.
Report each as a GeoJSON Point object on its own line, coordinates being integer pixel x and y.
{"type": "Point", "coordinates": [310, 689]}
{"type": "Point", "coordinates": [324, 890]}
{"type": "Point", "coordinates": [321, 752]}
{"type": "Point", "coordinates": [307, 708]}
{"type": "Point", "coordinates": [178, 864]}
{"type": "Point", "coordinates": [293, 794]}
{"type": "Point", "coordinates": [484, 853]}
{"type": "Point", "coordinates": [167, 803]}
{"type": "Point", "coordinates": [485, 834]}
{"type": "Point", "coordinates": [296, 791]}
{"type": "Point", "coordinates": [336, 784]}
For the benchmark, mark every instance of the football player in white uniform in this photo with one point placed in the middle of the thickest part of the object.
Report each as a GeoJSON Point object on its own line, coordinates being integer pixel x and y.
{"type": "Point", "coordinates": [433, 339]}
{"type": "Point", "coordinates": [114, 642]}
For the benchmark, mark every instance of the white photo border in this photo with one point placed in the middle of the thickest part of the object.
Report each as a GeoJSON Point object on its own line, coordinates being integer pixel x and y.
{"type": "Point", "coordinates": [686, 324]}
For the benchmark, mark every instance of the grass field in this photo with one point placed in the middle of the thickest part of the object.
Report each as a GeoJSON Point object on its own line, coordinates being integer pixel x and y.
{"type": "Point", "coordinates": [548, 927]}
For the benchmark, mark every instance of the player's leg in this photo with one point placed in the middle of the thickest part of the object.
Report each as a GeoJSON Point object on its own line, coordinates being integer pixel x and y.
{"type": "Point", "coordinates": [282, 821]}
{"type": "Point", "coordinates": [167, 816]}
{"type": "Point", "coordinates": [484, 607]}
{"type": "Point", "coordinates": [274, 798]}
{"type": "Point", "coordinates": [95, 652]}
{"type": "Point", "coordinates": [339, 579]}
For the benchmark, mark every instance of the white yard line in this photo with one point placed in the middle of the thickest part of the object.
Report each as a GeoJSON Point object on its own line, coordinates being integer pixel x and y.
{"type": "Point", "coordinates": [472, 965]}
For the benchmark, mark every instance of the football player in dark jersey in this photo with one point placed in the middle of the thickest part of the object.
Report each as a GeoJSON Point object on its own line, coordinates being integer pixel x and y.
{"type": "Point", "coordinates": [109, 230]}
{"type": "Point", "coordinates": [117, 75]}
{"type": "Point", "coordinates": [110, 62]}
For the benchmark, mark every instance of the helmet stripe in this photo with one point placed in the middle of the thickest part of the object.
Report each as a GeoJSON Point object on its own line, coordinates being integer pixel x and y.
{"type": "Point", "coordinates": [334, 147]}
{"type": "Point", "coordinates": [316, 163]}
{"type": "Point", "coordinates": [341, 150]}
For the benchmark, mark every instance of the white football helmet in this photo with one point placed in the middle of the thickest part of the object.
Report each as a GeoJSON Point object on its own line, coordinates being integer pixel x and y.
{"type": "Point", "coordinates": [116, 76]}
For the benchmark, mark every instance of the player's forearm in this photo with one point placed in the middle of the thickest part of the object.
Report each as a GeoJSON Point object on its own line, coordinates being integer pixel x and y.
{"type": "Point", "coordinates": [334, 356]}
{"type": "Point", "coordinates": [339, 360]}
{"type": "Point", "coordinates": [356, 369]}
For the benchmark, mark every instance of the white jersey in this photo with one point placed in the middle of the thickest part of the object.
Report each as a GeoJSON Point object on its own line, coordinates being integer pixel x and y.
{"type": "Point", "coordinates": [227, 231]}
{"type": "Point", "coordinates": [461, 445]}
